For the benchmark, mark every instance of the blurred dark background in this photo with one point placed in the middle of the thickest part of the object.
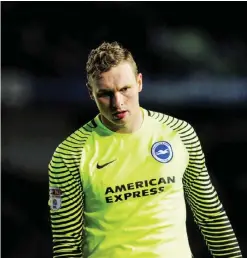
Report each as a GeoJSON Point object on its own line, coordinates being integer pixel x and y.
{"type": "Point", "coordinates": [193, 56]}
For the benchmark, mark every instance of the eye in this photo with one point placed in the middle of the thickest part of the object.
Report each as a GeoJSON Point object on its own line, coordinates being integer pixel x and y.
{"type": "Point", "coordinates": [124, 89]}
{"type": "Point", "coordinates": [105, 94]}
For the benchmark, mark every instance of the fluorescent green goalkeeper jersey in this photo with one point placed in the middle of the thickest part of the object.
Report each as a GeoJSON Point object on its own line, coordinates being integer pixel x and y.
{"type": "Point", "coordinates": [123, 195]}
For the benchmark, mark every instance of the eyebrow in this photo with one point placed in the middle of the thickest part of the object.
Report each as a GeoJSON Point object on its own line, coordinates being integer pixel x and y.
{"type": "Point", "coordinates": [104, 90]}
{"type": "Point", "coordinates": [110, 90]}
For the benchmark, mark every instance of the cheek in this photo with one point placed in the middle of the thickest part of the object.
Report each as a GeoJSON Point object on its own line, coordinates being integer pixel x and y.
{"type": "Point", "coordinates": [133, 97]}
{"type": "Point", "coordinates": [102, 103]}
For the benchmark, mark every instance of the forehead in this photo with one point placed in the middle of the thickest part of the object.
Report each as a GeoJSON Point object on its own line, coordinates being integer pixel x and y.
{"type": "Point", "coordinates": [121, 75]}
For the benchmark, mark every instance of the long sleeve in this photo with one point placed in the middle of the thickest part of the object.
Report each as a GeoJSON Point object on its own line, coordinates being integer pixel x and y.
{"type": "Point", "coordinates": [204, 202]}
{"type": "Point", "coordinates": [66, 201]}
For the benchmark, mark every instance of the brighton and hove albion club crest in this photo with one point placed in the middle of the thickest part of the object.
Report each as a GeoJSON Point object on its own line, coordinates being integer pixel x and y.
{"type": "Point", "coordinates": [55, 198]}
{"type": "Point", "coordinates": [162, 151]}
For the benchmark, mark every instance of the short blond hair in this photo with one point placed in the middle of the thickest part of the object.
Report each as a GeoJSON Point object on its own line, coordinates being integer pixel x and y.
{"type": "Point", "coordinates": [106, 56]}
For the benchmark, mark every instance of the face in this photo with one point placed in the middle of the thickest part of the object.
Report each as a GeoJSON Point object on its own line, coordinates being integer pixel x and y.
{"type": "Point", "coordinates": [116, 95]}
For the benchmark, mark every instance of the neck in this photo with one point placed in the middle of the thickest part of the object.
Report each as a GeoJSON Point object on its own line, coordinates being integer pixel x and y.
{"type": "Point", "coordinates": [131, 127]}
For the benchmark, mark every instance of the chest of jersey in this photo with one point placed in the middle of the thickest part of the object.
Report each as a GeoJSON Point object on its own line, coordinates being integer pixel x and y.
{"type": "Point", "coordinates": [128, 168]}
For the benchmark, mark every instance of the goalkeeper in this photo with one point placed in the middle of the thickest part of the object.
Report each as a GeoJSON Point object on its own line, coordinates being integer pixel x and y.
{"type": "Point", "coordinates": [118, 184]}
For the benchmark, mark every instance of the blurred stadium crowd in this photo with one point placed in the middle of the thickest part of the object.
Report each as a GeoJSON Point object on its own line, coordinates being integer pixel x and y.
{"type": "Point", "coordinates": [44, 51]}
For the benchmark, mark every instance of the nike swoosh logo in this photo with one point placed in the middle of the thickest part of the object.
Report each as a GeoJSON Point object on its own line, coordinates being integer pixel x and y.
{"type": "Point", "coordinates": [104, 165]}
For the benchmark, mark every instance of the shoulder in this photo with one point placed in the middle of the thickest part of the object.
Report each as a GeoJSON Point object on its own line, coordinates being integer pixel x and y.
{"type": "Point", "coordinates": [182, 128]}
{"type": "Point", "coordinates": [176, 124]}
{"type": "Point", "coordinates": [73, 144]}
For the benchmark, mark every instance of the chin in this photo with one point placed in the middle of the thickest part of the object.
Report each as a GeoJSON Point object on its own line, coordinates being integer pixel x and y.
{"type": "Point", "coordinates": [122, 123]}
{"type": "Point", "coordinates": [119, 123]}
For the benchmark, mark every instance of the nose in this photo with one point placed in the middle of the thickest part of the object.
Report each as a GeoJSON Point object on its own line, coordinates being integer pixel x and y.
{"type": "Point", "coordinates": [117, 100]}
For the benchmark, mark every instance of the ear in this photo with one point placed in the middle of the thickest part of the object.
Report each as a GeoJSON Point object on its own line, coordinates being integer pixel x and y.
{"type": "Point", "coordinates": [139, 82]}
{"type": "Point", "coordinates": [90, 91]}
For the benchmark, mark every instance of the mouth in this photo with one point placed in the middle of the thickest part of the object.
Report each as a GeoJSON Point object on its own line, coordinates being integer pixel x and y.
{"type": "Point", "coordinates": [119, 114]}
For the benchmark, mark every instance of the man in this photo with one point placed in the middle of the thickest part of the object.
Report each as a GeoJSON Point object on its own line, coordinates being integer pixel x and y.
{"type": "Point", "coordinates": [117, 184]}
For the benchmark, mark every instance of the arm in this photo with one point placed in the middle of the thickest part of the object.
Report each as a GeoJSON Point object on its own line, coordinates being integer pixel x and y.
{"type": "Point", "coordinates": [66, 204]}
{"type": "Point", "coordinates": [203, 200]}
